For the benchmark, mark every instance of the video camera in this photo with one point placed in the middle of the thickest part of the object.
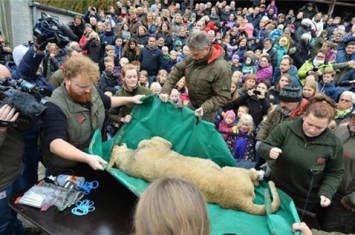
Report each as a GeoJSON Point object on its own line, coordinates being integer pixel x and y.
{"type": "Point", "coordinates": [49, 29]}
{"type": "Point", "coordinates": [25, 97]}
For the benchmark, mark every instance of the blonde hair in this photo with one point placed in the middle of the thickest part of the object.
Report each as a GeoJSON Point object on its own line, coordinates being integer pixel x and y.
{"type": "Point", "coordinates": [81, 66]}
{"type": "Point", "coordinates": [246, 118]}
{"type": "Point", "coordinates": [313, 85]}
{"type": "Point", "coordinates": [154, 86]}
{"type": "Point", "coordinates": [172, 206]}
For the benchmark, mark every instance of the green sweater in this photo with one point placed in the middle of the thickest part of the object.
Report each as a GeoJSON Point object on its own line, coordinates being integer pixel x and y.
{"type": "Point", "coordinates": [300, 160]}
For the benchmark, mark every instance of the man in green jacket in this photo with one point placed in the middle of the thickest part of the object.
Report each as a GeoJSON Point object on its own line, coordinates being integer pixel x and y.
{"type": "Point", "coordinates": [207, 75]}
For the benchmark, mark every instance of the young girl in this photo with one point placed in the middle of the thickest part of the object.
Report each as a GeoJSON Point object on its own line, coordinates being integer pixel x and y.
{"type": "Point", "coordinates": [244, 142]}
{"type": "Point", "coordinates": [241, 111]}
{"type": "Point", "coordinates": [162, 77]}
{"type": "Point", "coordinates": [227, 125]}
{"type": "Point", "coordinates": [310, 89]}
{"type": "Point", "coordinates": [155, 87]}
{"type": "Point", "coordinates": [175, 96]}
{"type": "Point", "coordinates": [143, 79]}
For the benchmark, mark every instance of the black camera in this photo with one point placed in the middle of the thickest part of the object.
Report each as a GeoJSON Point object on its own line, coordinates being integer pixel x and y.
{"type": "Point", "coordinates": [25, 98]}
{"type": "Point", "coordinates": [48, 29]}
{"type": "Point", "coordinates": [315, 69]}
{"type": "Point", "coordinates": [256, 92]}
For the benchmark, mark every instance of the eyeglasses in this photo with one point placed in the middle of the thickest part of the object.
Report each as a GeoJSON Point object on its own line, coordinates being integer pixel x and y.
{"type": "Point", "coordinates": [2, 41]}
{"type": "Point", "coordinates": [344, 100]}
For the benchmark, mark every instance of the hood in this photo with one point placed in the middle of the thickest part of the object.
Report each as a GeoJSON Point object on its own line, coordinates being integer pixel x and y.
{"type": "Point", "coordinates": [216, 52]}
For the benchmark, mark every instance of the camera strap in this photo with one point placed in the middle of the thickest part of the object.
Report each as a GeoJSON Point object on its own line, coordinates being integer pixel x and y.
{"type": "Point", "coordinates": [8, 124]}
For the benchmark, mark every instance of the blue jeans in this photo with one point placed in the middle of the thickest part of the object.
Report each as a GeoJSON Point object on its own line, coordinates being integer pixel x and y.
{"type": "Point", "coordinates": [9, 223]}
{"type": "Point", "coordinates": [151, 79]}
{"type": "Point", "coordinates": [31, 156]}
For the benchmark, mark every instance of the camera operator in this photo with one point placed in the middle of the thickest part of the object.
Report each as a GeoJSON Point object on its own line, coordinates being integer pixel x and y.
{"type": "Point", "coordinates": [91, 12]}
{"type": "Point", "coordinates": [5, 51]}
{"type": "Point", "coordinates": [11, 151]}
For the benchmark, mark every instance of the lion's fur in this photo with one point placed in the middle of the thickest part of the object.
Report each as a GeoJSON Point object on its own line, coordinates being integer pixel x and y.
{"type": "Point", "coordinates": [229, 187]}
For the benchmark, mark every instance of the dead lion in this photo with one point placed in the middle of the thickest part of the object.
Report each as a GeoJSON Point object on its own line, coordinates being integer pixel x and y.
{"type": "Point", "coordinates": [229, 187]}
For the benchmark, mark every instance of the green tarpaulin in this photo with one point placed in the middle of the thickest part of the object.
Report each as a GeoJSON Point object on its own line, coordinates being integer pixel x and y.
{"type": "Point", "coordinates": [178, 125]}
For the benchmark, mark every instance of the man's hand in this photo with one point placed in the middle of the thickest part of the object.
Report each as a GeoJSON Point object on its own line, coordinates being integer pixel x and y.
{"type": "Point", "coordinates": [302, 227]}
{"type": "Point", "coordinates": [275, 152]}
{"type": "Point", "coordinates": [164, 97]}
{"type": "Point", "coordinates": [95, 162]}
{"type": "Point", "coordinates": [8, 114]}
{"type": "Point", "coordinates": [199, 111]}
{"type": "Point", "coordinates": [324, 201]}
{"type": "Point", "coordinates": [137, 99]}
{"type": "Point", "coordinates": [126, 119]}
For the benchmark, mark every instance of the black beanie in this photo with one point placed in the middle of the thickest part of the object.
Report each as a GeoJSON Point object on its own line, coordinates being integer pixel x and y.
{"type": "Point", "coordinates": [290, 93]}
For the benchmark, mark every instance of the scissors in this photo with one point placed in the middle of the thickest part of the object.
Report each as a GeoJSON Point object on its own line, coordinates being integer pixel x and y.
{"type": "Point", "coordinates": [83, 207]}
{"type": "Point", "coordinates": [89, 185]}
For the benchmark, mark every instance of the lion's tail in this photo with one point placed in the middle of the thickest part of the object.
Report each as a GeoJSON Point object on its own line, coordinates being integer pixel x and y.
{"type": "Point", "coordinates": [275, 205]}
{"type": "Point", "coordinates": [260, 209]}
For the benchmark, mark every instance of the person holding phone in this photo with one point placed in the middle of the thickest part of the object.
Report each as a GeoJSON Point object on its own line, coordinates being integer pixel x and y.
{"type": "Point", "coordinates": [256, 99]}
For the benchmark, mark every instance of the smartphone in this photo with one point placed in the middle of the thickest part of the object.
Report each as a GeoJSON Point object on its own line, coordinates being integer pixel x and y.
{"type": "Point", "coordinates": [256, 92]}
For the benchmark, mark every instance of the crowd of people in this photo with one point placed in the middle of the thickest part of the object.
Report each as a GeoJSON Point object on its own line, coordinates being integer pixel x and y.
{"type": "Point", "coordinates": [275, 84]}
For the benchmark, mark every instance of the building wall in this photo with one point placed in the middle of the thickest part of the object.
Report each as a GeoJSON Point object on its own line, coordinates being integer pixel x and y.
{"type": "Point", "coordinates": [18, 17]}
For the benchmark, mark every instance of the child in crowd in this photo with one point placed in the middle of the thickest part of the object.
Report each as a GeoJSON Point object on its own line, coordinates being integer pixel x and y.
{"type": "Point", "coordinates": [166, 56]}
{"type": "Point", "coordinates": [185, 52]}
{"type": "Point", "coordinates": [155, 87]}
{"type": "Point", "coordinates": [178, 47]}
{"type": "Point", "coordinates": [243, 109]}
{"type": "Point", "coordinates": [235, 65]}
{"type": "Point", "coordinates": [118, 48]}
{"type": "Point", "coordinates": [143, 79]}
{"type": "Point", "coordinates": [123, 61]}
{"type": "Point", "coordinates": [226, 125]}
{"type": "Point", "coordinates": [249, 67]}
{"type": "Point", "coordinates": [327, 86]}
{"type": "Point", "coordinates": [109, 84]}
{"type": "Point", "coordinates": [125, 33]}
{"type": "Point", "coordinates": [137, 64]}
{"type": "Point", "coordinates": [234, 89]}
{"type": "Point", "coordinates": [244, 144]}
{"type": "Point", "coordinates": [171, 62]}
{"type": "Point", "coordinates": [175, 96]}
{"type": "Point", "coordinates": [181, 85]}
{"type": "Point", "coordinates": [310, 89]}
{"type": "Point", "coordinates": [162, 77]}
{"type": "Point", "coordinates": [237, 77]}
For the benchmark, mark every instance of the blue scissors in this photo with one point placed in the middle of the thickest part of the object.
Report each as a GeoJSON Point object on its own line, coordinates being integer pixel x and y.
{"type": "Point", "coordinates": [89, 185]}
{"type": "Point", "coordinates": [83, 207]}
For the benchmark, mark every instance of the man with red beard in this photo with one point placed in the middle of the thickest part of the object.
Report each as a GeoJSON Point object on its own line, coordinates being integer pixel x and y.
{"type": "Point", "coordinates": [74, 111]}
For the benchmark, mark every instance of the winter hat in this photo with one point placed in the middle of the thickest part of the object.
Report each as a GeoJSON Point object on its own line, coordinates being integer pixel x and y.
{"type": "Point", "coordinates": [230, 113]}
{"type": "Point", "coordinates": [87, 25]}
{"type": "Point", "coordinates": [290, 93]}
{"type": "Point", "coordinates": [235, 57]}
{"type": "Point", "coordinates": [342, 32]}
{"type": "Point", "coordinates": [178, 43]}
{"type": "Point", "coordinates": [193, 15]}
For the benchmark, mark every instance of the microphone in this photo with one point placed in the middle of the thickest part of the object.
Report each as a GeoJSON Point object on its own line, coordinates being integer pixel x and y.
{"type": "Point", "coordinates": [29, 108]}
